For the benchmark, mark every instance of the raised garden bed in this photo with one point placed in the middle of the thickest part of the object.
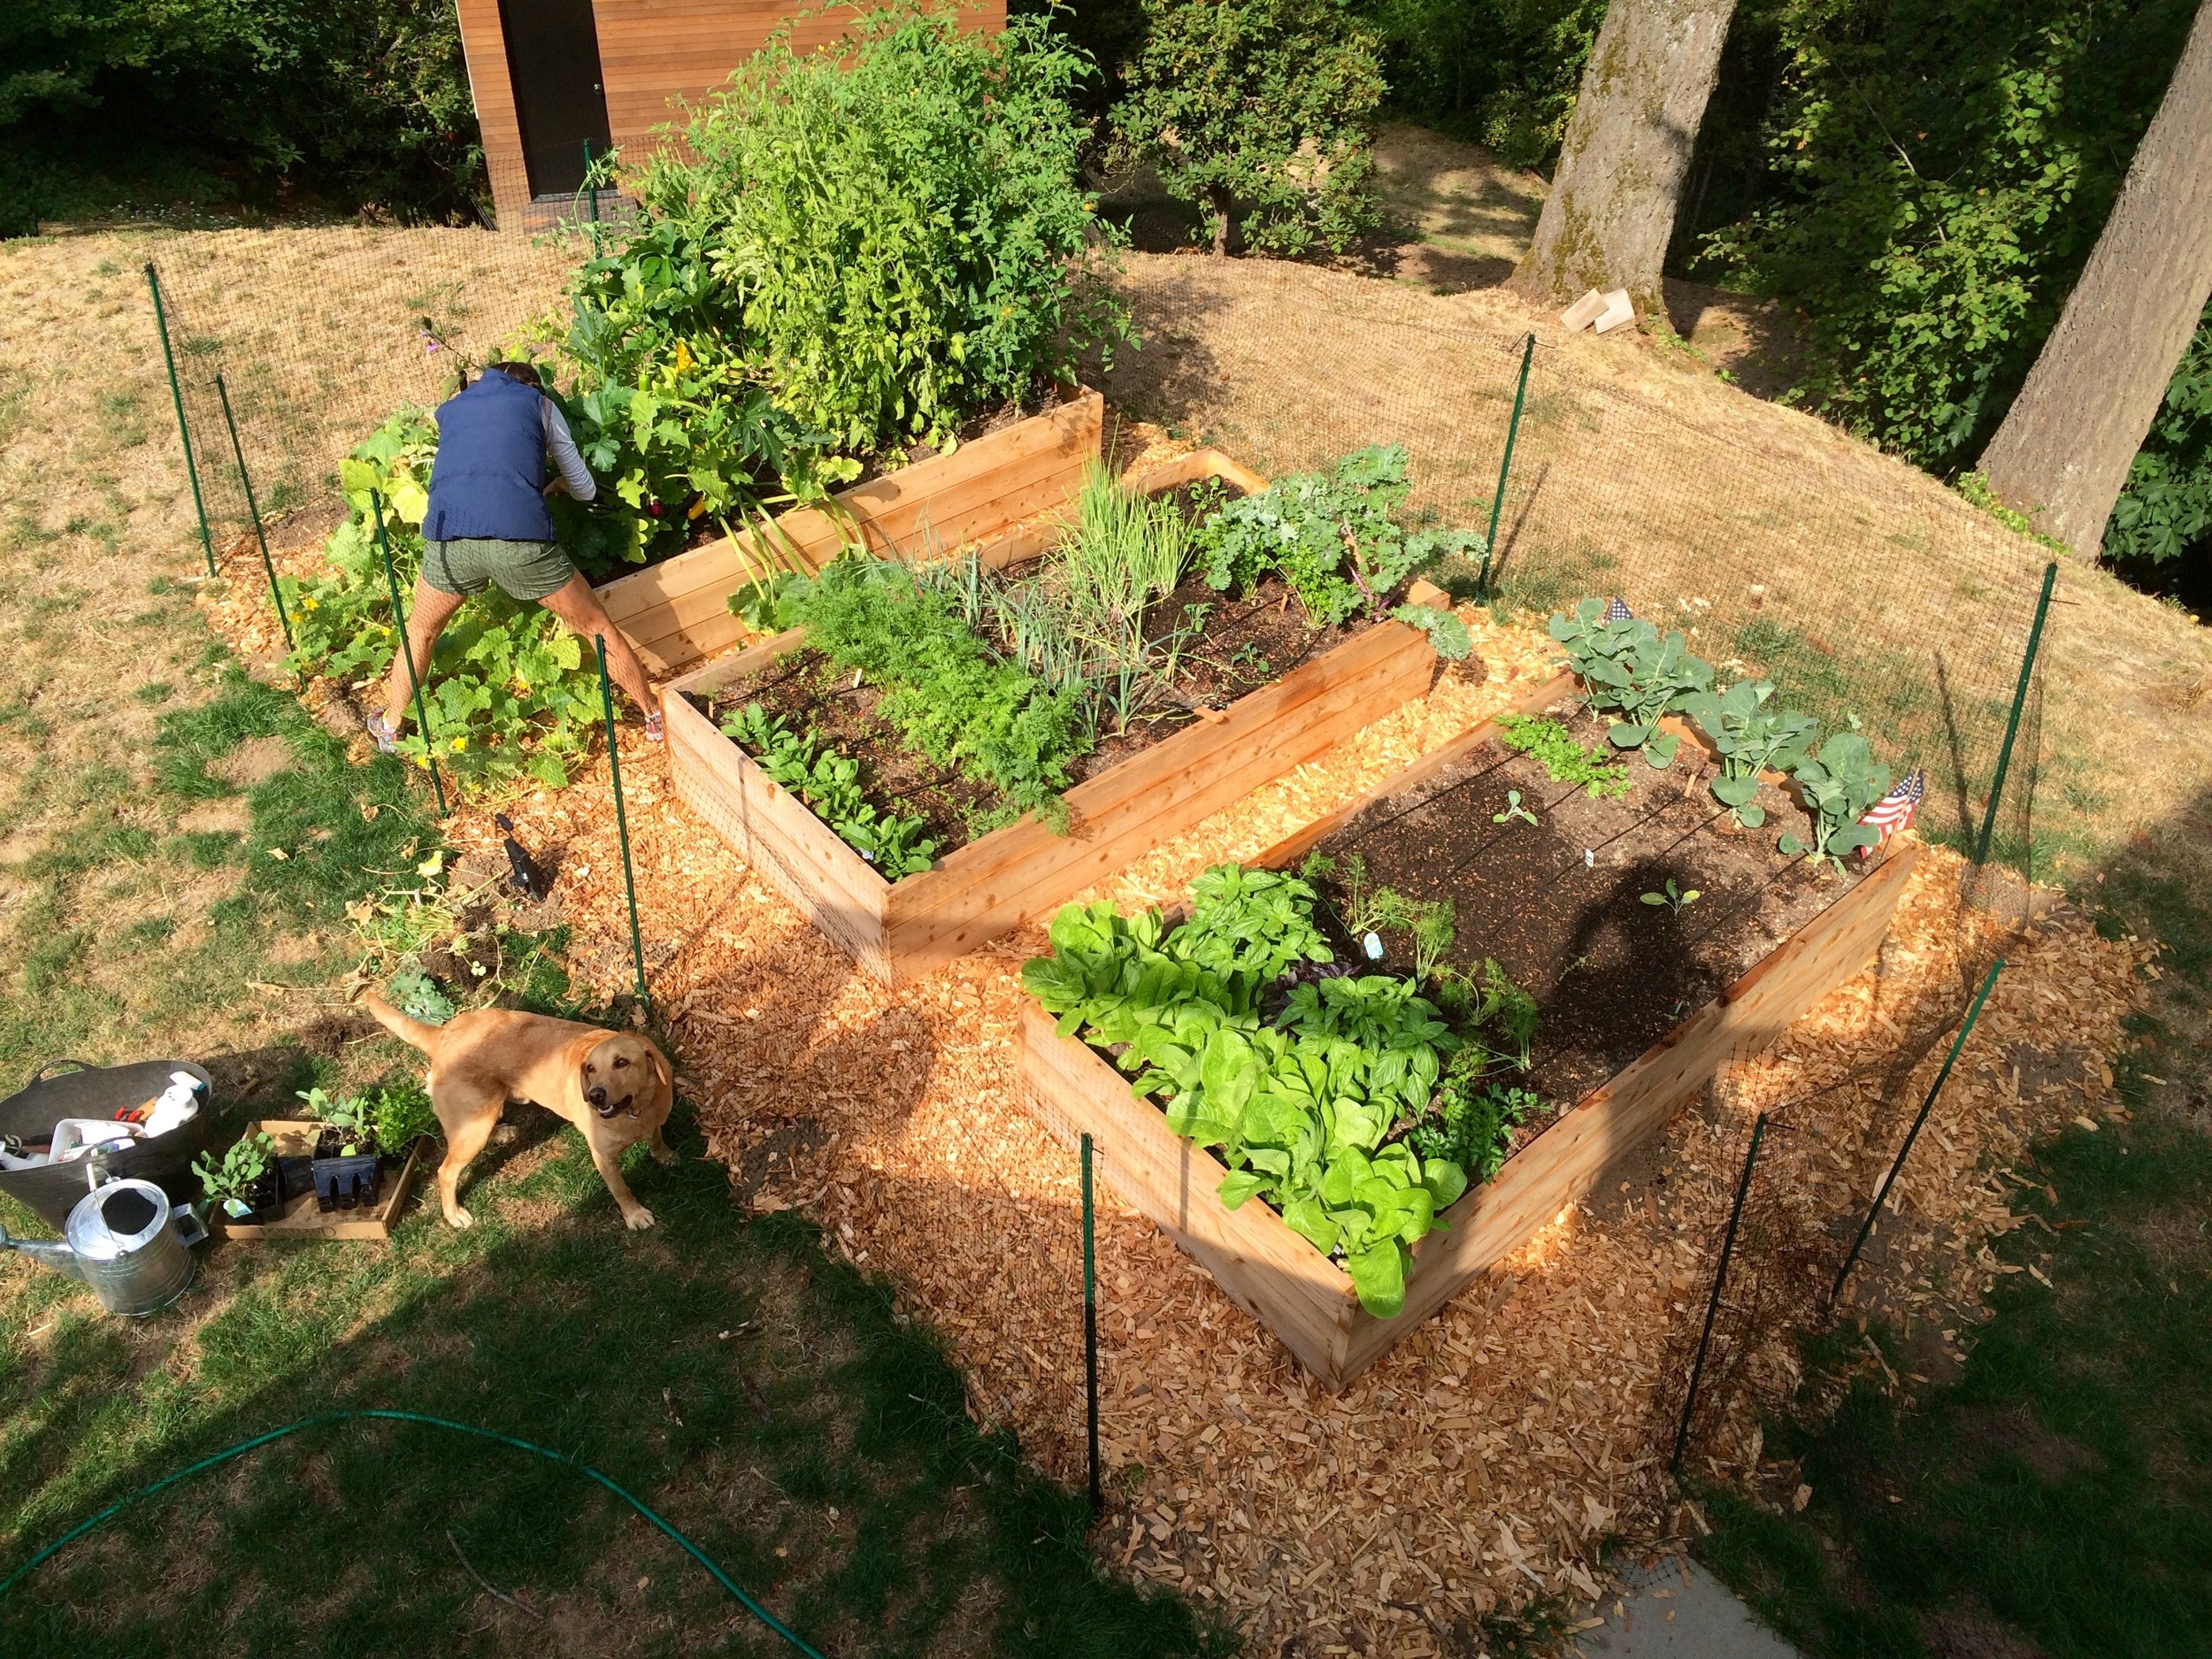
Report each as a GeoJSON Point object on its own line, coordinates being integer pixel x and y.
{"type": "Point", "coordinates": [1641, 1003]}
{"type": "Point", "coordinates": [302, 1215]}
{"type": "Point", "coordinates": [676, 613]}
{"type": "Point", "coordinates": [1132, 796]}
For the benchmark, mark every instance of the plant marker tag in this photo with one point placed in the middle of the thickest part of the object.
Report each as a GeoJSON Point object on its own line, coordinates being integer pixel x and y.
{"type": "Point", "coordinates": [1589, 858]}
{"type": "Point", "coordinates": [1373, 946]}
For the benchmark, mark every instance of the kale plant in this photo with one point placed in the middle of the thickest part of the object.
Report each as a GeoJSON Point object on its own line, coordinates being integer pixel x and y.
{"type": "Point", "coordinates": [1333, 538]}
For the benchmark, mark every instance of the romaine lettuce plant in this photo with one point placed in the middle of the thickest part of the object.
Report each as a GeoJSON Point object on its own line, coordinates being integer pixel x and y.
{"type": "Point", "coordinates": [1307, 1111]}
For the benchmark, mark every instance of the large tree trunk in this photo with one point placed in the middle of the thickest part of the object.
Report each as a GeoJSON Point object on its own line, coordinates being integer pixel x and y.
{"type": "Point", "coordinates": [1611, 213]}
{"type": "Point", "coordinates": [2064, 452]}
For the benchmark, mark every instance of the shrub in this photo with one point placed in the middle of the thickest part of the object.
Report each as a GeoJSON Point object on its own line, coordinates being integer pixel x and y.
{"type": "Point", "coordinates": [2167, 505]}
{"type": "Point", "coordinates": [1265, 106]}
{"type": "Point", "coordinates": [894, 228]}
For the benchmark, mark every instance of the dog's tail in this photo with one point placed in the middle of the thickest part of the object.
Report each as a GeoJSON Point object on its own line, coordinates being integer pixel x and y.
{"type": "Point", "coordinates": [410, 1031]}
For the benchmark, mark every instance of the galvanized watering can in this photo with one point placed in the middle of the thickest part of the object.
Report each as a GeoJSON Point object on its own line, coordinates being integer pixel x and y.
{"type": "Point", "coordinates": [126, 1241]}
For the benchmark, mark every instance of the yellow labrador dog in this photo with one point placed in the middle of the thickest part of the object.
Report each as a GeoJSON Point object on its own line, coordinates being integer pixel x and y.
{"type": "Point", "coordinates": [614, 1088]}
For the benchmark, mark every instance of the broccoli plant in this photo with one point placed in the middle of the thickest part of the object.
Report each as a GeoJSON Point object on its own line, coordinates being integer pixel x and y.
{"type": "Point", "coordinates": [1629, 667]}
{"type": "Point", "coordinates": [1751, 734]}
{"type": "Point", "coordinates": [1839, 785]}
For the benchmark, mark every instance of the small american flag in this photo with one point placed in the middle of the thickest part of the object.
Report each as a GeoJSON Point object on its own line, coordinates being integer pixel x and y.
{"type": "Point", "coordinates": [1619, 611]}
{"type": "Point", "coordinates": [1894, 810]}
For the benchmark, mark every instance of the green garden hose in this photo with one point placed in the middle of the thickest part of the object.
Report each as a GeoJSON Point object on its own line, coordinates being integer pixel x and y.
{"type": "Point", "coordinates": [692, 1550]}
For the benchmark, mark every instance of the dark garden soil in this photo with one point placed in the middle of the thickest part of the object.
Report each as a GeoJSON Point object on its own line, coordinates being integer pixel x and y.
{"type": "Point", "coordinates": [1560, 904]}
{"type": "Point", "coordinates": [1243, 643]}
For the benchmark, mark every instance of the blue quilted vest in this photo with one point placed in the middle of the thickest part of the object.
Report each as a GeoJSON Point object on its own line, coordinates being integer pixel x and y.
{"type": "Point", "coordinates": [490, 472]}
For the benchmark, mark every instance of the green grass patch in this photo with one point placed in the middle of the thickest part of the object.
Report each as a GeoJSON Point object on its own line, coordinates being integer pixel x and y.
{"type": "Point", "coordinates": [2063, 1485]}
{"type": "Point", "coordinates": [771, 1402]}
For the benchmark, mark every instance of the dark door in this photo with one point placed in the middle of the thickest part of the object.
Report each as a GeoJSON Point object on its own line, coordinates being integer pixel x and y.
{"type": "Point", "coordinates": [553, 64]}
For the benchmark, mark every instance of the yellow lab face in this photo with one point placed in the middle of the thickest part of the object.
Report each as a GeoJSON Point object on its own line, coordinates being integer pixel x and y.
{"type": "Point", "coordinates": [623, 1075]}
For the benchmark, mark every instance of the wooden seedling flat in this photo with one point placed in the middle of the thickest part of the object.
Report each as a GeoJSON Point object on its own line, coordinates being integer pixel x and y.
{"type": "Point", "coordinates": [295, 1138]}
{"type": "Point", "coordinates": [1307, 1299]}
{"type": "Point", "coordinates": [898, 931]}
{"type": "Point", "coordinates": [677, 612]}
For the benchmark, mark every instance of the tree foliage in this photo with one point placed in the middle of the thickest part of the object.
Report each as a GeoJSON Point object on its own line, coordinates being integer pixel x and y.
{"type": "Point", "coordinates": [355, 103]}
{"type": "Point", "coordinates": [2167, 505]}
{"type": "Point", "coordinates": [1942, 169]}
{"type": "Point", "coordinates": [1259, 113]}
{"type": "Point", "coordinates": [893, 226]}
{"type": "Point", "coordinates": [1504, 73]}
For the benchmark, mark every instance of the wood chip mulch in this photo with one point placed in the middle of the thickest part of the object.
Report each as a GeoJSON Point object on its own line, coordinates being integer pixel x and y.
{"type": "Point", "coordinates": [1488, 1459]}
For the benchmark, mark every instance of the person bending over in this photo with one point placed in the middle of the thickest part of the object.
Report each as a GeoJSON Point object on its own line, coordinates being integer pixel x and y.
{"type": "Point", "coordinates": [487, 522]}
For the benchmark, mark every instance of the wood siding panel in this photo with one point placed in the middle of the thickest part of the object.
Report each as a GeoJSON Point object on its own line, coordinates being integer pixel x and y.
{"type": "Point", "coordinates": [651, 54]}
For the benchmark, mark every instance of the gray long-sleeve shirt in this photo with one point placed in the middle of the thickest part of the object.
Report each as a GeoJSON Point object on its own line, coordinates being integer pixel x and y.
{"type": "Point", "coordinates": [561, 445]}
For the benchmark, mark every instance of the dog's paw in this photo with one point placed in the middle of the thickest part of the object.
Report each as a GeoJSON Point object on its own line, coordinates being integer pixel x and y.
{"type": "Point", "coordinates": [459, 1219]}
{"type": "Point", "coordinates": [663, 1154]}
{"type": "Point", "coordinates": [503, 1134]}
{"type": "Point", "coordinates": [638, 1219]}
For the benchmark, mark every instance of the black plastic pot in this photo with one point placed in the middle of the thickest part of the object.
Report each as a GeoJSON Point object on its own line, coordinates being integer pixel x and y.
{"type": "Point", "coordinates": [265, 1196]}
{"type": "Point", "coordinates": [342, 1182]}
{"type": "Point", "coordinates": [93, 1091]}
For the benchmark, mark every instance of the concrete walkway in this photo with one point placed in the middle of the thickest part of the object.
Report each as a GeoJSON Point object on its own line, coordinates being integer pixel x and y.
{"type": "Point", "coordinates": [1678, 1611]}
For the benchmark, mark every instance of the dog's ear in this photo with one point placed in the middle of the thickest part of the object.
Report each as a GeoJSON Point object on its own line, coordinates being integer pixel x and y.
{"type": "Point", "coordinates": [662, 1069]}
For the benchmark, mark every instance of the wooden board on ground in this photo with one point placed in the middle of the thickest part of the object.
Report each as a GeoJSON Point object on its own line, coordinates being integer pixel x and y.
{"type": "Point", "coordinates": [1307, 1300]}
{"type": "Point", "coordinates": [302, 1217]}
{"type": "Point", "coordinates": [677, 612]}
{"type": "Point", "coordinates": [899, 931]}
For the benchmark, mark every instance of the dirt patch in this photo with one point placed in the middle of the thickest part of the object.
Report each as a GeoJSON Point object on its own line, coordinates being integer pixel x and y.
{"type": "Point", "coordinates": [2016, 1432]}
{"type": "Point", "coordinates": [1565, 903]}
{"type": "Point", "coordinates": [217, 817]}
{"type": "Point", "coordinates": [253, 761]}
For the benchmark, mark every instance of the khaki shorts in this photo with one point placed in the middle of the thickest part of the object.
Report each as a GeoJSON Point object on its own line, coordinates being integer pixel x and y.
{"type": "Point", "coordinates": [525, 571]}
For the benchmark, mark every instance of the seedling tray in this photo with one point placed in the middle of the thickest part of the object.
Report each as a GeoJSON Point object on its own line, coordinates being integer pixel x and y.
{"type": "Point", "coordinates": [899, 931]}
{"type": "Point", "coordinates": [302, 1217]}
{"type": "Point", "coordinates": [1302, 1296]}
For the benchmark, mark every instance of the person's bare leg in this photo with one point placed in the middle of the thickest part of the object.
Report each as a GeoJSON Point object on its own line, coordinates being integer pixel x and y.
{"type": "Point", "coordinates": [576, 605]}
{"type": "Point", "coordinates": [426, 618]}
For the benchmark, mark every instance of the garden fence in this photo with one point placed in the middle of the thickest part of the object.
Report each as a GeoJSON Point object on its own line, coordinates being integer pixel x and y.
{"type": "Point", "coordinates": [1861, 588]}
{"type": "Point", "coordinates": [1856, 584]}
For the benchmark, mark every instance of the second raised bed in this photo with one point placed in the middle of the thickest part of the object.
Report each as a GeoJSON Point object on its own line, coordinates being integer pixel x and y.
{"type": "Point", "coordinates": [1303, 1296]}
{"type": "Point", "coordinates": [900, 930]}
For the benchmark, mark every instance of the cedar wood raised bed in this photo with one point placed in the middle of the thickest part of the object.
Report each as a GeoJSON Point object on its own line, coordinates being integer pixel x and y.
{"type": "Point", "coordinates": [999, 494]}
{"type": "Point", "coordinates": [1305, 1298]}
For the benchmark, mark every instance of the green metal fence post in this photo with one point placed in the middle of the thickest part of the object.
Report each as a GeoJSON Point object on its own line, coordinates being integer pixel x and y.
{"type": "Point", "coordinates": [414, 676]}
{"type": "Point", "coordinates": [622, 824]}
{"type": "Point", "coordinates": [253, 509]}
{"type": "Point", "coordinates": [1505, 465]}
{"type": "Point", "coordinates": [184, 430]}
{"type": "Point", "coordinates": [1090, 1333]}
{"type": "Point", "coordinates": [2012, 726]}
{"type": "Point", "coordinates": [1912, 1135]}
{"type": "Point", "coordinates": [1712, 1305]}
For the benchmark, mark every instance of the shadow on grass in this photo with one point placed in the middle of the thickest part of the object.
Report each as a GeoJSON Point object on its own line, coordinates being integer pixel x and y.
{"type": "Point", "coordinates": [768, 1401]}
{"type": "Point", "coordinates": [2058, 1497]}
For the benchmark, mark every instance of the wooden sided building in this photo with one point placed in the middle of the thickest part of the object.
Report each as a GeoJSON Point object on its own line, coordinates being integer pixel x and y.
{"type": "Point", "coordinates": [553, 77]}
